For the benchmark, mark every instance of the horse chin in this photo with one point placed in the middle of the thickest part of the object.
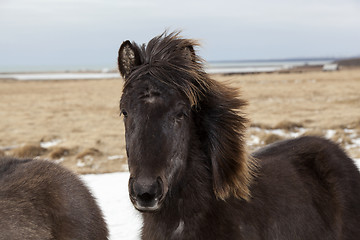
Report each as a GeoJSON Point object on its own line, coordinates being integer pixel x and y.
{"type": "Point", "coordinates": [147, 208]}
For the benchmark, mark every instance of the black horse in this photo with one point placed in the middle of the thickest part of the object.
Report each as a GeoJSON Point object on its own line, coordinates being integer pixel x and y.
{"type": "Point", "coordinates": [190, 175]}
{"type": "Point", "coordinates": [42, 200]}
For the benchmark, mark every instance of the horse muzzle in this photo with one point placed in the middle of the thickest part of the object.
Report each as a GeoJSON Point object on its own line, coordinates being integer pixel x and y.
{"type": "Point", "coordinates": [146, 194]}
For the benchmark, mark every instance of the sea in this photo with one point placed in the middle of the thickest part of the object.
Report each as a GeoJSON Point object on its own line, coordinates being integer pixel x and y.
{"type": "Point", "coordinates": [212, 67]}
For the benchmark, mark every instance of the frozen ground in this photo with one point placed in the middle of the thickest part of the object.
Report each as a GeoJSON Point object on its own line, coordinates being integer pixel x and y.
{"type": "Point", "coordinates": [112, 194]}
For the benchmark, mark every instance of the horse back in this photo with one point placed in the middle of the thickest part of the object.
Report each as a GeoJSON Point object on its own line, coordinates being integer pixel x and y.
{"type": "Point", "coordinates": [319, 185]}
{"type": "Point", "coordinates": [42, 200]}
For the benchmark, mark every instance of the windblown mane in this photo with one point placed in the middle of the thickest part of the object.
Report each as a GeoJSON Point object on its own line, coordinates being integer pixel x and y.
{"type": "Point", "coordinates": [221, 124]}
{"type": "Point", "coordinates": [169, 53]}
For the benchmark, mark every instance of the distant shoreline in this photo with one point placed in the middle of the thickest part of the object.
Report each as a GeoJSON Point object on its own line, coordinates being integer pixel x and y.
{"type": "Point", "coordinates": [113, 68]}
{"type": "Point", "coordinates": [46, 76]}
{"type": "Point", "coordinates": [220, 67]}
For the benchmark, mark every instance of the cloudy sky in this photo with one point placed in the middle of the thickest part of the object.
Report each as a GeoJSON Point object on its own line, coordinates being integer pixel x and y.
{"type": "Point", "coordinates": [89, 32]}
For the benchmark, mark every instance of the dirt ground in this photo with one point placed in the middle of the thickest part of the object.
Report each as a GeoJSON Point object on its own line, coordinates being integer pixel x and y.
{"type": "Point", "coordinates": [77, 122]}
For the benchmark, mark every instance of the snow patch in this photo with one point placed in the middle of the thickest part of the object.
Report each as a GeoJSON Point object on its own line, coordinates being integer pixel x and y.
{"type": "Point", "coordinates": [115, 157]}
{"type": "Point", "coordinates": [330, 133]}
{"type": "Point", "coordinates": [59, 160]}
{"type": "Point", "coordinates": [111, 192]}
{"type": "Point", "coordinates": [50, 143]}
{"type": "Point", "coordinates": [357, 162]}
{"type": "Point", "coordinates": [80, 163]}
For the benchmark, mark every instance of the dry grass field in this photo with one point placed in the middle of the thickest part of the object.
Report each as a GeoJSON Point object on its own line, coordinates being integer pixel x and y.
{"type": "Point", "coordinates": [77, 123]}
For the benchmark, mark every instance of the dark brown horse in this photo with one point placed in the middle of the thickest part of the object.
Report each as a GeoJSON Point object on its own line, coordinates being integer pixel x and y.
{"type": "Point", "coordinates": [41, 200]}
{"type": "Point", "coordinates": [190, 175]}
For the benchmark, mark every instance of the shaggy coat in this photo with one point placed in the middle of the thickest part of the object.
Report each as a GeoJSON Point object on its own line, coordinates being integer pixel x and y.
{"type": "Point", "coordinates": [42, 200]}
{"type": "Point", "coordinates": [190, 175]}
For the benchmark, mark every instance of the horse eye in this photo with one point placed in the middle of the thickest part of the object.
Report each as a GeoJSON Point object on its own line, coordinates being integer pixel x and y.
{"type": "Point", "coordinates": [180, 115]}
{"type": "Point", "coordinates": [124, 113]}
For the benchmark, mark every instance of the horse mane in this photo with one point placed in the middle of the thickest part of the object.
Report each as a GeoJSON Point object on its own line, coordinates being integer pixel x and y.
{"type": "Point", "coordinates": [172, 60]}
{"type": "Point", "coordinates": [171, 53]}
{"type": "Point", "coordinates": [224, 125]}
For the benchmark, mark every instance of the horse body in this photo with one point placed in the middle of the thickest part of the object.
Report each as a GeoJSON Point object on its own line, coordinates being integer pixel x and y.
{"type": "Point", "coordinates": [41, 200]}
{"type": "Point", "coordinates": [190, 175]}
{"type": "Point", "coordinates": [307, 201]}
{"type": "Point", "coordinates": [319, 188]}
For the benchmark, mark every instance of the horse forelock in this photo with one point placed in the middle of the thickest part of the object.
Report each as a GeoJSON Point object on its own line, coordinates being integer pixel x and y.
{"type": "Point", "coordinates": [166, 58]}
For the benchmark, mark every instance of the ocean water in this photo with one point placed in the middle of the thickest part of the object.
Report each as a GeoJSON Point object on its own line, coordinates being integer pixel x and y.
{"type": "Point", "coordinates": [58, 76]}
{"type": "Point", "coordinates": [71, 72]}
{"type": "Point", "coordinates": [258, 66]}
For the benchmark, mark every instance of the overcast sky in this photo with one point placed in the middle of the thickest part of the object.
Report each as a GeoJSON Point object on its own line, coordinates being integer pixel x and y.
{"type": "Point", "coordinates": [89, 32]}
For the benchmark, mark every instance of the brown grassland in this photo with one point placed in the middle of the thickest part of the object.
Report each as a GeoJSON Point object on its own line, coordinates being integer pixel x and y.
{"type": "Point", "coordinates": [82, 116]}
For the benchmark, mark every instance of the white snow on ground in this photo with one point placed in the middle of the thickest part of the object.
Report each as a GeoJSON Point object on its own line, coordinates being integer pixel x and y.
{"type": "Point", "coordinates": [357, 162]}
{"type": "Point", "coordinates": [111, 191]}
{"type": "Point", "coordinates": [280, 132]}
{"type": "Point", "coordinates": [50, 143]}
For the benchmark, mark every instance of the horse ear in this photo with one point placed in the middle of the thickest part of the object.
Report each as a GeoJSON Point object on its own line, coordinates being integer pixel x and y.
{"type": "Point", "coordinates": [189, 53]}
{"type": "Point", "coordinates": [232, 168]}
{"type": "Point", "coordinates": [128, 58]}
